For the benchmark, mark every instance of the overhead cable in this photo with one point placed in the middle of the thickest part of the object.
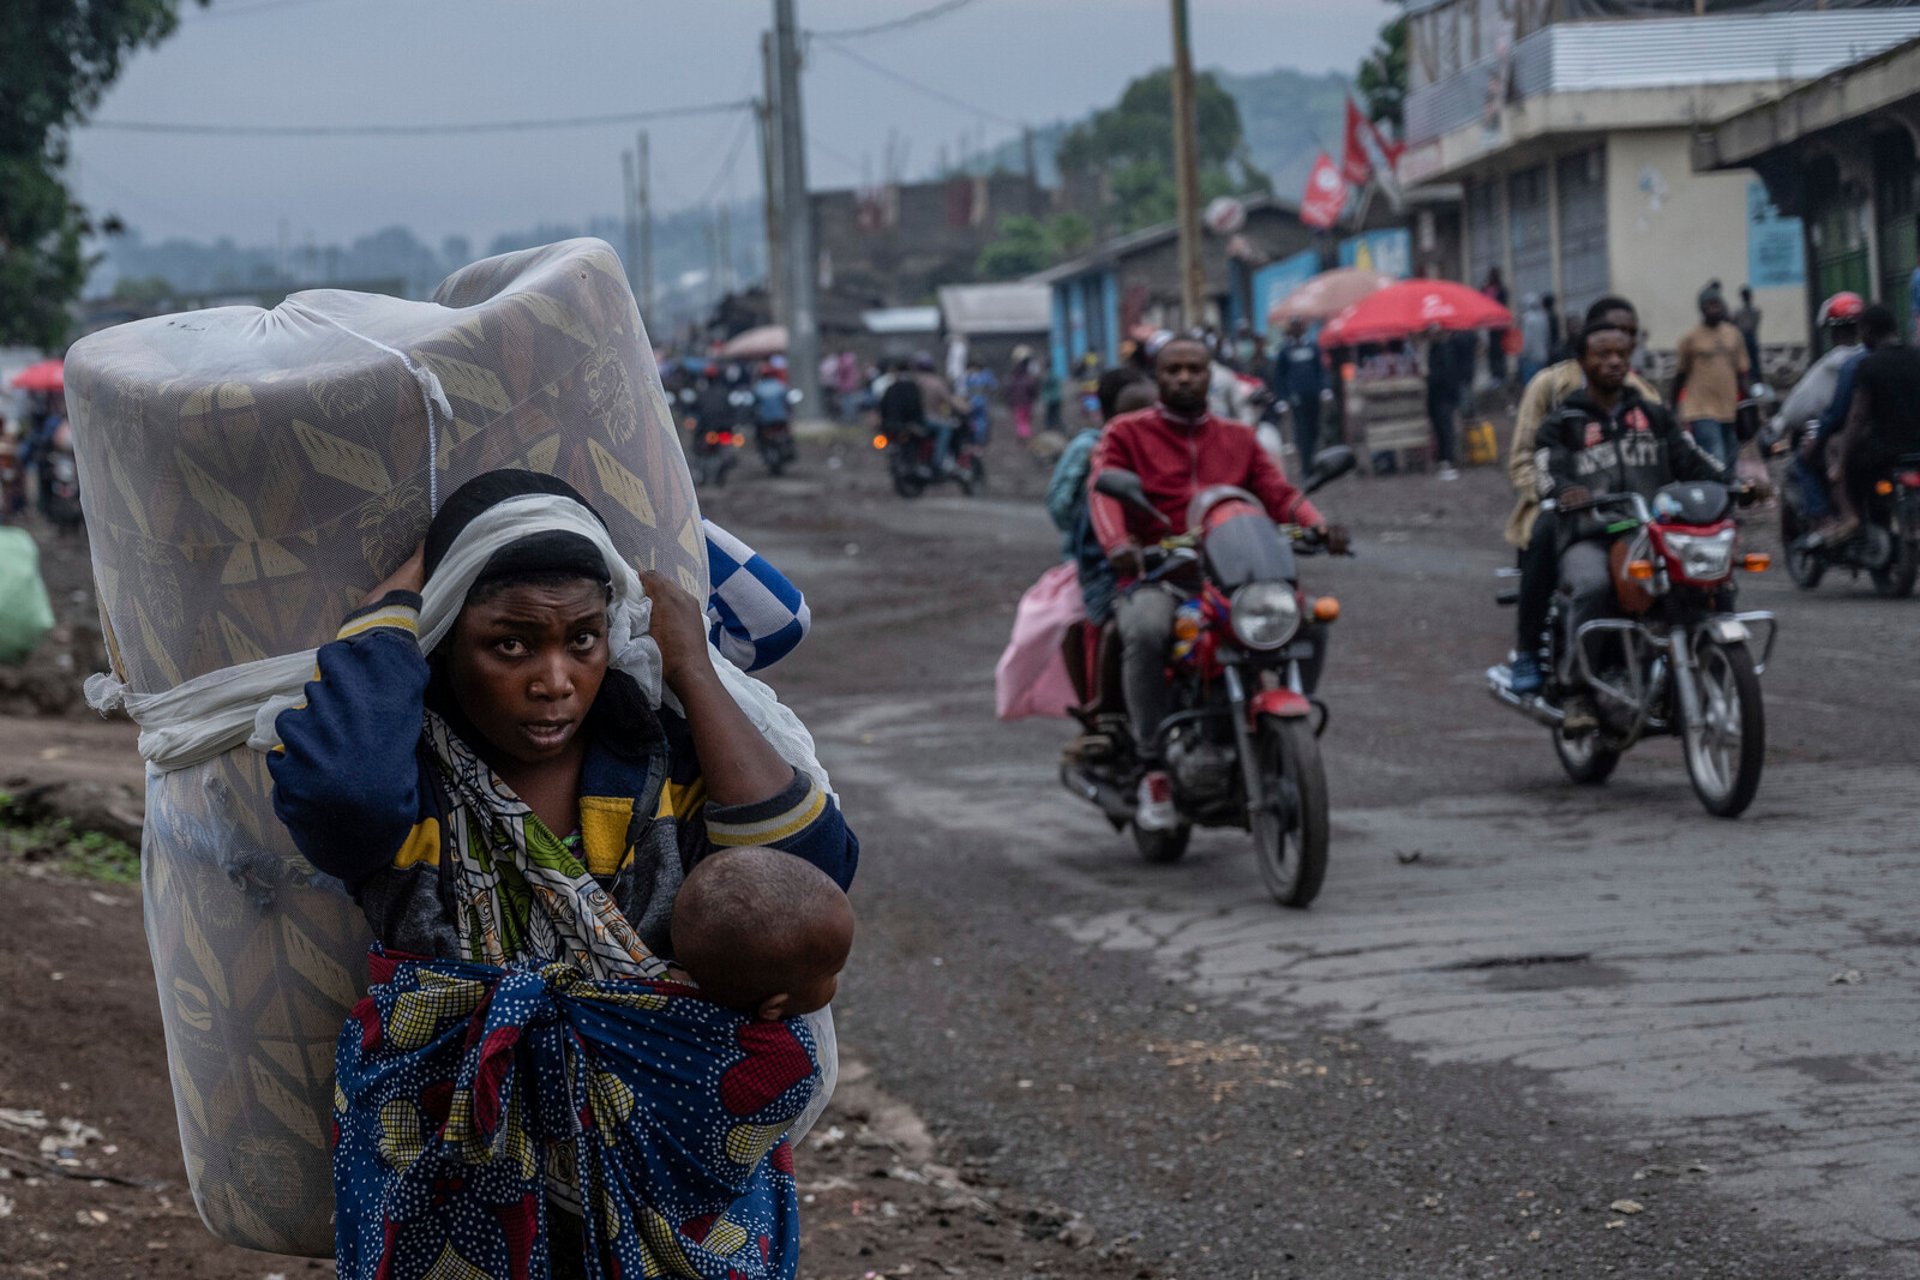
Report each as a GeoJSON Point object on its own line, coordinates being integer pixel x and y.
{"type": "Point", "coordinates": [919, 88]}
{"type": "Point", "coordinates": [416, 130]}
{"type": "Point", "coordinates": [879, 28]}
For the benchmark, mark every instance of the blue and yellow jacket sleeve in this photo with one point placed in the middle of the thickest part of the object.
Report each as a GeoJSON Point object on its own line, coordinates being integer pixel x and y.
{"type": "Point", "coordinates": [802, 820]}
{"type": "Point", "coordinates": [346, 779]}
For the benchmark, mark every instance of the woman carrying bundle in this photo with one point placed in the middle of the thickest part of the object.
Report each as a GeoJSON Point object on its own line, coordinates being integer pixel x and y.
{"type": "Point", "coordinates": [530, 836]}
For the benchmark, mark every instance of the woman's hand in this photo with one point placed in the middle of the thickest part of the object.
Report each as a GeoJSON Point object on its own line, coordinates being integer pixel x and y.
{"type": "Point", "coordinates": [679, 627]}
{"type": "Point", "coordinates": [410, 576]}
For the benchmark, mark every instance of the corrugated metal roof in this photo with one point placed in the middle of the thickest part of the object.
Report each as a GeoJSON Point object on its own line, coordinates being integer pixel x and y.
{"type": "Point", "coordinates": [1726, 49]}
{"type": "Point", "coordinates": [1662, 53]}
{"type": "Point", "coordinates": [902, 320]}
{"type": "Point", "coordinates": [1019, 307]}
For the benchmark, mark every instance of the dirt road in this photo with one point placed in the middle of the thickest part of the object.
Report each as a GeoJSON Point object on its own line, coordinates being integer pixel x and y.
{"type": "Point", "coordinates": [1524, 1031]}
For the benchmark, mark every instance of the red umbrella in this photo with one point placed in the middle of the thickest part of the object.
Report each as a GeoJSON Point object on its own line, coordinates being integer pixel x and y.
{"type": "Point", "coordinates": [1414, 306]}
{"type": "Point", "coordinates": [1327, 294]}
{"type": "Point", "coordinates": [48, 375]}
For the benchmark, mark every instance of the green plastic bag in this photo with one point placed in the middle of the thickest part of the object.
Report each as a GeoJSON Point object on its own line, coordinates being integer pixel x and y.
{"type": "Point", "coordinates": [25, 611]}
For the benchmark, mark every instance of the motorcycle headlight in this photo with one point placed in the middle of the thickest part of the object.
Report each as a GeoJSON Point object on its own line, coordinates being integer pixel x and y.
{"type": "Point", "coordinates": [1264, 615]}
{"type": "Point", "coordinates": [1703, 556]}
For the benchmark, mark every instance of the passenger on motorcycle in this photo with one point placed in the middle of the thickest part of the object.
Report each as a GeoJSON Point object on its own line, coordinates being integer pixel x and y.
{"type": "Point", "coordinates": [1882, 421]}
{"type": "Point", "coordinates": [1177, 448]}
{"type": "Point", "coordinates": [1840, 317]}
{"type": "Point", "coordinates": [1606, 439]}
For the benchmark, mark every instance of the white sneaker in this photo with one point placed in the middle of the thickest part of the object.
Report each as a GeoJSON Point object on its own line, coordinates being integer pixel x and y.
{"type": "Point", "coordinates": [1154, 810]}
{"type": "Point", "coordinates": [1445, 472]}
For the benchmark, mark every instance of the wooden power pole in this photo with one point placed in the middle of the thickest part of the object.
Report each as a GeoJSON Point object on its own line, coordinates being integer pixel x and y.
{"type": "Point", "coordinates": [803, 316]}
{"type": "Point", "coordinates": [643, 199]}
{"type": "Point", "coordinates": [1186, 170]}
{"type": "Point", "coordinates": [770, 177]}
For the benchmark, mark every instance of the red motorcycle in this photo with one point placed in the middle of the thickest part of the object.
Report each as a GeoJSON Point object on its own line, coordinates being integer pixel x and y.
{"type": "Point", "coordinates": [1674, 657]}
{"type": "Point", "coordinates": [1242, 744]}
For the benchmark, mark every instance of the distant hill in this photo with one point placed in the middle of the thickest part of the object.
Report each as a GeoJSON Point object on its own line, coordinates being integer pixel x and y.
{"type": "Point", "coordinates": [1288, 117]}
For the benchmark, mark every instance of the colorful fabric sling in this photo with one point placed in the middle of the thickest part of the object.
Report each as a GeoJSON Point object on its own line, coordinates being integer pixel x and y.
{"type": "Point", "coordinates": [467, 1090]}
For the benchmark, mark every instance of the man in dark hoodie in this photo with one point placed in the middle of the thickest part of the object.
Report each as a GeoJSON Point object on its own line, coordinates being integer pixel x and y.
{"type": "Point", "coordinates": [1607, 439]}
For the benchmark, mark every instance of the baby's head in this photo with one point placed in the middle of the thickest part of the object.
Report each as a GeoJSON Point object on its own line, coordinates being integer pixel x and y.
{"type": "Point", "coordinates": [762, 932]}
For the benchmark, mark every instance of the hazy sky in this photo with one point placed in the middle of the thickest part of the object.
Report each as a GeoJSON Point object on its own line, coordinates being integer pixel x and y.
{"type": "Point", "coordinates": [314, 62]}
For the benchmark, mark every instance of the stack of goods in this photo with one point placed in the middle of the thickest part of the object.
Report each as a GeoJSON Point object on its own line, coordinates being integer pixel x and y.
{"type": "Point", "coordinates": [248, 476]}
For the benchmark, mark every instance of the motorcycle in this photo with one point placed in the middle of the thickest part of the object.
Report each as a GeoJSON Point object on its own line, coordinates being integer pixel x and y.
{"type": "Point", "coordinates": [912, 462]}
{"type": "Point", "coordinates": [717, 438]}
{"type": "Point", "coordinates": [1673, 659]}
{"type": "Point", "coordinates": [775, 440]}
{"type": "Point", "coordinates": [1887, 545]}
{"type": "Point", "coordinates": [1242, 744]}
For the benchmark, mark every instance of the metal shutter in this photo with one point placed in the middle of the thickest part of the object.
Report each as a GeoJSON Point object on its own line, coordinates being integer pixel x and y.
{"type": "Point", "coordinates": [1584, 271]}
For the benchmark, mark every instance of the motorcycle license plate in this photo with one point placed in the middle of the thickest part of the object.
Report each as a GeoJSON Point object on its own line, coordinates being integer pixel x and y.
{"type": "Point", "coordinates": [1298, 651]}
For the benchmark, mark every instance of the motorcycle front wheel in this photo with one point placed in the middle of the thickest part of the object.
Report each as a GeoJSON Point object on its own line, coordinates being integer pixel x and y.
{"type": "Point", "coordinates": [1292, 858]}
{"type": "Point", "coordinates": [1727, 744]}
{"type": "Point", "coordinates": [1586, 759]}
{"type": "Point", "coordinates": [907, 481]}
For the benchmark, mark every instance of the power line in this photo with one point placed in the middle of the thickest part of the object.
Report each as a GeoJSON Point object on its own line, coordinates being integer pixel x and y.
{"type": "Point", "coordinates": [917, 87]}
{"type": "Point", "coordinates": [726, 166]}
{"type": "Point", "coordinates": [415, 130]}
{"type": "Point", "coordinates": [912, 19]}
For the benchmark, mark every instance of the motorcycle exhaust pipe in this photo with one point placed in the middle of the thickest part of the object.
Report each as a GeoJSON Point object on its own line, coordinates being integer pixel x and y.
{"type": "Point", "coordinates": [1112, 802]}
{"type": "Point", "coordinates": [1533, 708]}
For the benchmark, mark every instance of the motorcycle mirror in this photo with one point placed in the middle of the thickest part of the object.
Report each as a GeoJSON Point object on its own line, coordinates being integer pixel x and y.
{"type": "Point", "coordinates": [1125, 486]}
{"type": "Point", "coordinates": [1330, 464]}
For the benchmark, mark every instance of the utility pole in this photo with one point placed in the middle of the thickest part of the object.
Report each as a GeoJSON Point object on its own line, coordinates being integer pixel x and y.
{"type": "Point", "coordinates": [1186, 170]}
{"type": "Point", "coordinates": [630, 251]}
{"type": "Point", "coordinates": [771, 175]}
{"type": "Point", "coordinates": [726, 249]}
{"type": "Point", "coordinates": [643, 198]}
{"type": "Point", "coordinates": [803, 324]}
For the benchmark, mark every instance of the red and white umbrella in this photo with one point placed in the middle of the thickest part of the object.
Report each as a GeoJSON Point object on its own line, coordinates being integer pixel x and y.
{"type": "Point", "coordinates": [1327, 295]}
{"type": "Point", "coordinates": [1414, 306]}
{"type": "Point", "coordinates": [48, 375]}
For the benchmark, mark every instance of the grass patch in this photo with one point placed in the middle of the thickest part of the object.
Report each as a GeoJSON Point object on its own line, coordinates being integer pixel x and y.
{"type": "Point", "coordinates": [54, 844]}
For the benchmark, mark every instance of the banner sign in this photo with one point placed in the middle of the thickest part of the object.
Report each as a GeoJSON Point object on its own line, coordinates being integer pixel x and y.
{"type": "Point", "coordinates": [1389, 251]}
{"type": "Point", "coordinates": [1776, 249]}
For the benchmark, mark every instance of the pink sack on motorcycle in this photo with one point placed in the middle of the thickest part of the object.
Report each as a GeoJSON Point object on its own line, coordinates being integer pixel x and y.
{"type": "Point", "coordinates": [1032, 679]}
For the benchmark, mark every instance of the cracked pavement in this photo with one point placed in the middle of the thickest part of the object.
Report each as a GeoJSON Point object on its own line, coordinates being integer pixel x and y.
{"type": "Point", "coordinates": [1520, 1004]}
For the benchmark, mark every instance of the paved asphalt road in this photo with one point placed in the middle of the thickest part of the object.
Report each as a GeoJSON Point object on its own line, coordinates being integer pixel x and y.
{"type": "Point", "coordinates": [1516, 1006]}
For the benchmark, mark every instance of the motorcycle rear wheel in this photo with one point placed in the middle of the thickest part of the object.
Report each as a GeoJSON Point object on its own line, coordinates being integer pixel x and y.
{"type": "Point", "coordinates": [1163, 846]}
{"type": "Point", "coordinates": [1293, 860]}
{"type": "Point", "coordinates": [1726, 749]}
{"type": "Point", "coordinates": [1805, 567]}
{"type": "Point", "coordinates": [907, 482]}
{"type": "Point", "coordinates": [1586, 759]}
{"type": "Point", "coordinates": [1896, 580]}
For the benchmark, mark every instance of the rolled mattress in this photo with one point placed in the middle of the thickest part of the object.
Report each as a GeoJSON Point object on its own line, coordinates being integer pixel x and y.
{"type": "Point", "coordinates": [247, 477]}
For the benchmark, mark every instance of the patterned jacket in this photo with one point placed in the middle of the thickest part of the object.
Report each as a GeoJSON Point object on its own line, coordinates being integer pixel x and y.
{"type": "Point", "coordinates": [364, 801]}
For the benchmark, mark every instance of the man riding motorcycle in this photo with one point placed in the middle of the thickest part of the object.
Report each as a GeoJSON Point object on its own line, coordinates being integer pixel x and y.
{"type": "Point", "coordinates": [1879, 422]}
{"type": "Point", "coordinates": [1840, 317]}
{"type": "Point", "coordinates": [1606, 439]}
{"type": "Point", "coordinates": [1177, 448]}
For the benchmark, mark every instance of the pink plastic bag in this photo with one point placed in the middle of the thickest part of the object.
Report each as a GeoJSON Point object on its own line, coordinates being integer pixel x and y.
{"type": "Point", "coordinates": [1032, 679]}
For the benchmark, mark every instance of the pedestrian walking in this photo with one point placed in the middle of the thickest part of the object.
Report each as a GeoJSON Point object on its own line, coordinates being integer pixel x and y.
{"type": "Point", "coordinates": [1444, 378]}
{"type": "Point", "coordinates": [1299, 376]}
{"type": "Point", "coordinates": [1747, 320]}
{"type": "Point", "coordinates": [1713, 369]}
{"type": "Point", "coordinates": [1023, 388]}
{"type": "Point", "coordinates": [1536, 338]}
{"type": "Point", "coordinates": [1495, 288]}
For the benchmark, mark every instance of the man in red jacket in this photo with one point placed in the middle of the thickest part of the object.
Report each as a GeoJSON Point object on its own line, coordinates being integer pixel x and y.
{"type": "Point", "coordinates": [1177, 449]}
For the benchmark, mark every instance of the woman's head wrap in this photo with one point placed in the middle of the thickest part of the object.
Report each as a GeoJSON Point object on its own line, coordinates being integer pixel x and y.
{"type": "Point", "coordinates": [548, 552]}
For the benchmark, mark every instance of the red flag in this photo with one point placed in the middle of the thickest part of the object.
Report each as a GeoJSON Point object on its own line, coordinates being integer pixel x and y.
{"type": "Point", "coordinates": [1325, 196]}
{"type": "Point", "coordinates": [1355, 165]}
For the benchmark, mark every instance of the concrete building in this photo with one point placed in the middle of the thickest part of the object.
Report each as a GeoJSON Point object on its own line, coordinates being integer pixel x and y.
{"type": "Point", "coordinates": [1570, 126]}
{"type": "Point", "coordinates": [894, 245]}
{"type": "Point", "coordinates": [1839, 154]}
